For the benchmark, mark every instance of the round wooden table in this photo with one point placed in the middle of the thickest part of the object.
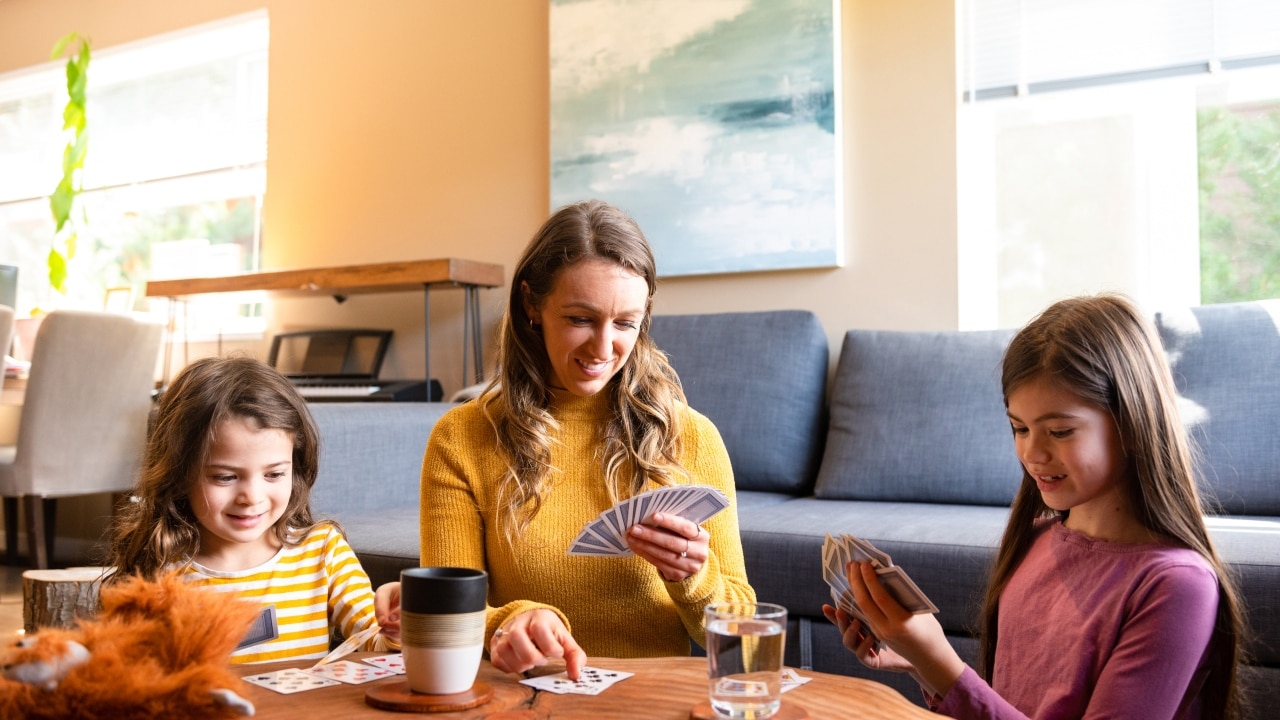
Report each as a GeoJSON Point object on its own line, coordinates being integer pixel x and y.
{"type": "Point", "coordinates": [661, 689]}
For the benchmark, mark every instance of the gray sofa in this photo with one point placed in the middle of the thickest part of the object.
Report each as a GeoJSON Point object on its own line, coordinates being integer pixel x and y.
{"type": "Point", "coordinates": [908, 448]}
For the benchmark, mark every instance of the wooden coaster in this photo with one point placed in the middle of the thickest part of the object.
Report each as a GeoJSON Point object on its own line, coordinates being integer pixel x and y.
{"type": "Point", "coordinates": [398, 697]}
{"type": "Point", "coordinates": [703, 711]}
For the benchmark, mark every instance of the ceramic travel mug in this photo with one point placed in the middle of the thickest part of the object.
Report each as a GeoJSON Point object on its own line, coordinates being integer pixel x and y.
{"type": "Point", "coordinates": [442, 614]}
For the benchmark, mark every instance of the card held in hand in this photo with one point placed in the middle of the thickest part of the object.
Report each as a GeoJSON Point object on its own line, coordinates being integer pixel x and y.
{"type": "Point", "coordinates": [838, 551]}
{"type": "Point", "coordinates": [606, 535]}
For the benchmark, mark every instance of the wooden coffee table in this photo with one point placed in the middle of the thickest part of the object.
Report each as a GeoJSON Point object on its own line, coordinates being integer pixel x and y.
{"type": "Point", "coordinates": [662, 689]}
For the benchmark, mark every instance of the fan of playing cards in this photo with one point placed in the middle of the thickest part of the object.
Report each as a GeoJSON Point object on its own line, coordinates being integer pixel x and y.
{"type": "Point", "coordinates": [839, 551]}
{"type": "Point", "coordinates": [606, 536]}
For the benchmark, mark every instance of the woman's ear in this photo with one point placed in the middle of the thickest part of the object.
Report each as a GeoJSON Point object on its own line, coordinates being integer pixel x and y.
{"type": "Point", "coordinates": [531, 312]}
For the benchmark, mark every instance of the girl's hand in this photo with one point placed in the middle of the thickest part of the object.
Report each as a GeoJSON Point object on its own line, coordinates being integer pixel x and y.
{"type": "Point", "coordinates": [859, 640]}
{"type": "Point", "coordinates": [917, 639]}
{"type": "Point", "coordinates": [677, 547]}
{"type": "Point", "coordinates": [529, 639]}
{"type": "Point", "coordinates": [386, 608]}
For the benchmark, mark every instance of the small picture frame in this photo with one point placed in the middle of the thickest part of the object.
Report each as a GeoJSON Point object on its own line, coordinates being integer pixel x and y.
{"type": "Point", "coordinates": [118, 300]}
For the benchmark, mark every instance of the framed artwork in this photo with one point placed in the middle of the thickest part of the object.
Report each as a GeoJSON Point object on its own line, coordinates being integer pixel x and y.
{"type": "Point", "coordinates": [713, 123]}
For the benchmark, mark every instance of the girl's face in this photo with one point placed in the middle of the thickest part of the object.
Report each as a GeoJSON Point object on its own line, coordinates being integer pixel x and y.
{"type": "Point", "coordinates": [241, 492]}
{"type": "Point", "coordinates": [1073, 451]}
{"type": "Point", "coordinates": [590, 323]}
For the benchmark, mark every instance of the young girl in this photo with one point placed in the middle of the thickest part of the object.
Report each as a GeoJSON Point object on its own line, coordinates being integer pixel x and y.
{"type": "Point", "coordinates": [224, 492]}
{"type": "Point", "coordinates": [1107, 597]}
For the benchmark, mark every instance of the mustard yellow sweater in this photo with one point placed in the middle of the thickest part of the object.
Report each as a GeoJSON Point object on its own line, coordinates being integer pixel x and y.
{"type": "Point", "coordinates": [615, 607]}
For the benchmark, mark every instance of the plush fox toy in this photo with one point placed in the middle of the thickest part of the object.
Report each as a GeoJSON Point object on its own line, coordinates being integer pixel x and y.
{"type": "Point", "coordinates": [158, 649]}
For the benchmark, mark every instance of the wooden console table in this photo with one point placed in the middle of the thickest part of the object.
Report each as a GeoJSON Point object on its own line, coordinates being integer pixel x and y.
{"type": "Point", "coordinates": [339, 282]}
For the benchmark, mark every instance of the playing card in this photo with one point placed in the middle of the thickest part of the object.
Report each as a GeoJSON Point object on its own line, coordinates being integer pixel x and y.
{"type": "Point", "coordinates": [837, 552]}
{"type": "Point", "coordinates": [863, 551]}
{"type": "Point", "coordinates": [606, 535]}
{"type": "Point", "coordinates": [352, 673]}
{"type": "Point", "coordinates": [905, 591]}
{"type": "Point", "coordinates": [393, 662]}
{"type": "Point", "coordinates": [592, 681]}
{"type": "Point", "coordinates": [264, 628]}
{"type": "Point", "coordinates": [591, 542]}
{"type": "Point", "coordinates": [792, 679]}
{"type": "Point", "coordinates": [348, 646]}
{"type": "Point", "coordinates": [293, 680]}
{"type": "Point", "coordinates": [703, 505]}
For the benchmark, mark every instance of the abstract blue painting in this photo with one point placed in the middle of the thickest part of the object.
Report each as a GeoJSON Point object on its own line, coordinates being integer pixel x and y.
{"type": "Point", "coordinates": [712, 122]}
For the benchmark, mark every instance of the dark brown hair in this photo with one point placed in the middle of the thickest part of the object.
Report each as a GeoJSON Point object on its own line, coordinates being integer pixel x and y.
{"type": "Point", "coordinates": [158, 527]}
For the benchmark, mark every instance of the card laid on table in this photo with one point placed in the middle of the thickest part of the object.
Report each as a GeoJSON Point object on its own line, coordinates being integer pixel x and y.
{"type": "Point", "coordinates": [292, 680]}
{"type": "Point", "coordinates": [592, 681]}
{"type": "Point", "coordinates": [606, 535]}
{"type": "Point", "coordinates": [393, 662]}
{"type": "Point", "coordinates": [352, 673]}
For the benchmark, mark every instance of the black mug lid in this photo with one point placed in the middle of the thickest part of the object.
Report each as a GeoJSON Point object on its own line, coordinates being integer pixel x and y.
{"type": "Point", "coordinates": [443, 590]}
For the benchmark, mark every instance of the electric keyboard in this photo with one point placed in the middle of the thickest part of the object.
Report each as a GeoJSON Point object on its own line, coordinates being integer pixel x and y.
{"type": "Point", "coordinates": [367, 390]}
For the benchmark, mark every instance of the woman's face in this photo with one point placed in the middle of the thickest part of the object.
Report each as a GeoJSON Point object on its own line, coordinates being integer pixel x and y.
{"type": "Point", "coordinates": [590, 322]}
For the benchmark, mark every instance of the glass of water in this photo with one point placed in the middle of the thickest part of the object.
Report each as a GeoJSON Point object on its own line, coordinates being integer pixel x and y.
{"type": "Point", "coordinates": [744, 658]}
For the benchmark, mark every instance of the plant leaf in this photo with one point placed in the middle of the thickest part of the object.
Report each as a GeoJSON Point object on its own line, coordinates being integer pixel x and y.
{"type": "Point", "coordinates": [60, 203]}
{"type": "Point", "coordinates": [73, 154]}
{"type": "Point", "coordinates": [58, 271]}
{"type": "Point", "coordinates": [73, 117]}
{"type": "Point", "coordinates": [61, 45]}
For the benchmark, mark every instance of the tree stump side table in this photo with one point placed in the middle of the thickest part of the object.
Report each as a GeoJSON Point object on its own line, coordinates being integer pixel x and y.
{"type": "Point", "coordinates": [58, 598]}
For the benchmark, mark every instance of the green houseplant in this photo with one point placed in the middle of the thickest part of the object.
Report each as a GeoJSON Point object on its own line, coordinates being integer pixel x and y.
{"type": "Point", "coordinates": [63, 200]}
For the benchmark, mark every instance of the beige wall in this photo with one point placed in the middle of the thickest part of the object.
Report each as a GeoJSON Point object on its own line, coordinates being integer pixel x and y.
{"type": "Point", "coordinates": [404, 129]}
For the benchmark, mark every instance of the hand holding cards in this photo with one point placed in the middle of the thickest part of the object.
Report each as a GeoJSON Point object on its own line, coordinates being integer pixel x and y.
{"type": "Point", "coordinates": [838, 552]}
{"type": "Point", "coordinates": [606, 536]}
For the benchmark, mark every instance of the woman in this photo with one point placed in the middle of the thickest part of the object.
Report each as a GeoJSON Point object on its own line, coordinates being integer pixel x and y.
{"type": "Point", "coordinates": [586, 411]}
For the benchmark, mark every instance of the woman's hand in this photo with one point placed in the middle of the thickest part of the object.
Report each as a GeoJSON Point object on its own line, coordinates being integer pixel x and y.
{"type": "Point", "coordinates": [676, 546]}
{"type": "Point", "coordinates": [917, 640]}
{"type": "Point", "coordinates": [386, 608]}
{"type": "Point", "coordinates": [529, 639]}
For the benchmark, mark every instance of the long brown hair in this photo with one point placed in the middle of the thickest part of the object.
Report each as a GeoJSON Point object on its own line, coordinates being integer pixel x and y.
{"type": "Point", "coordinates": [158, 527]}
{"type": "Point", "coordinates": [1103, 350]}
{"type": "Point", "coordinates": [642, 436]}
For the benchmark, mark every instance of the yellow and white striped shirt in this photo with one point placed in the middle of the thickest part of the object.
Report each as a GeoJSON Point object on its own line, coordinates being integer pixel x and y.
{"type": "Point", "coordinates": [314, 585]}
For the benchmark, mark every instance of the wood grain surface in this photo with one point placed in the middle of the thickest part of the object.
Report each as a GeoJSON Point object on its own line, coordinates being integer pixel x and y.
{"type": "Point", "coordinates": [662, 689]}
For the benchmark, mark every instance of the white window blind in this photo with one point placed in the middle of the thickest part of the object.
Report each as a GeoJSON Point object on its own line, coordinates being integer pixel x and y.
{"type": "Point", "coordinates": [1019, 47]}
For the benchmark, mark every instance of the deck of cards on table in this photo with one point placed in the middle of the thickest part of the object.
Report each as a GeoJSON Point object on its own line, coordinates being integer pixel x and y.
{"type": "Point", "coordinates": [606, 536]}
{"type": "Point", "coordinates": [837, 552]}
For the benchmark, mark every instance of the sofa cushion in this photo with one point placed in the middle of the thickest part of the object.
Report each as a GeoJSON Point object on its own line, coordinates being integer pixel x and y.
{"type": "Point", "coordinates": [761, 377]}
{"type": "Point", "coordinates": [371, 455]}
{"type": "Point", "coordinates": [919, 417]}
{"type": "Point", "coordinates": [1226, 365]}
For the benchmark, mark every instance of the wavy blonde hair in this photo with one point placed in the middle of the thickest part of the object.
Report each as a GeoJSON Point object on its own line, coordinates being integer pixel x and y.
{"type": "Point", "coordinates": [641, 440]}
{"type": "Point", "coordinates": [1102, 349]}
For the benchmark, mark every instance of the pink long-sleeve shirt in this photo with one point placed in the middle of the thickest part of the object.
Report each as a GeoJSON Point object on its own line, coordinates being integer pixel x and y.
{"type": "Point", "coordinates": [1097, 629]}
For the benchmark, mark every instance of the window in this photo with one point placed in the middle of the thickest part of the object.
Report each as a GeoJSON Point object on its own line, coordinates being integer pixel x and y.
{"type": "Point", "coordinates": [1117, 145]}
{"type": "Point", "coordinates": [174, 177]}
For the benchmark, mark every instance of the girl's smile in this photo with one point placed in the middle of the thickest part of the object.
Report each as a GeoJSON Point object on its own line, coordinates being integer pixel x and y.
{"type": "Point", "coordinates": [243, 490]}
{"type": "Point", "coordinates": [1073, 451]}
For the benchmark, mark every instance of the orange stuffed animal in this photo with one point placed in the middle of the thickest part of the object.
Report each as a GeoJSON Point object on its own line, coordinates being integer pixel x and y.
{"type": "Point", "coordinates": [157, 649]}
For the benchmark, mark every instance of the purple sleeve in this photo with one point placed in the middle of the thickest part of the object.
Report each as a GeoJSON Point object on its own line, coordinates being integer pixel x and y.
{"type": "Point", "coordinates": [972, 697]}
